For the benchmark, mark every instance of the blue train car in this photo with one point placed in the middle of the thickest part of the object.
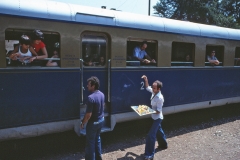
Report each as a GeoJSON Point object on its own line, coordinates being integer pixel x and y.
{"type": "Point", "coordinates": [37, 99]}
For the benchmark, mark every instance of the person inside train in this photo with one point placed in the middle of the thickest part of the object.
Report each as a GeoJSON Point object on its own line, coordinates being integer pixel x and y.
{"type": "Point", "coordinates": [23, 52]}
{"type": "Point", "coordinates": [51, 62]}
{"type": "Point", "coordinates": [38, 45]}
{"type": "Point", "coordinates": [187, 59]}
{"type": "Point", "coordinates": [101, 61]}
{"type": "Point", "coordinates": [140, 54]}
{"type": "Point", "coordinates": [88, 62]}
{"type": "Point", "coordinates": [55, 54]}
{"type": "Point", "coordinates": [10, 51]}
{"type": "Point", "coordinates": [212, 59]}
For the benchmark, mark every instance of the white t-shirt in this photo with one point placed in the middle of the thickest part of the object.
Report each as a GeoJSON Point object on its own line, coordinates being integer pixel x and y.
{"type": "Point", "coordinates": [29, 53]}
{"type": "Point", "coordinates": [157, 103]}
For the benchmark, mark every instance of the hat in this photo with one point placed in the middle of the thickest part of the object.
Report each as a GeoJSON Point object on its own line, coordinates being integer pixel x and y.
{"type": "Point", "coordinates": [37, 35]}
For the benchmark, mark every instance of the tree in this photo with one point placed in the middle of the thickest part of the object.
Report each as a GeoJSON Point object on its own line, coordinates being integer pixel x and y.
{"type": "Point", "coordinates": [223, 13]}
{"type": "Point", "coordinates": [232, 7]}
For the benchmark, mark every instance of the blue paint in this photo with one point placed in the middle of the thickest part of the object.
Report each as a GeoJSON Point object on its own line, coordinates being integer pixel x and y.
{"type": "Point", "coordinates": [180, 86]}
{"type": "Point", "coordinates": [38, 96]}
{"type": "Point", "coordinates": [35, 96]}
{"type": "Point", "coordinates": [102, 75]}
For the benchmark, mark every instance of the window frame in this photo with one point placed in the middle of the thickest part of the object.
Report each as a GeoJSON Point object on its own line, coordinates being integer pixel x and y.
{"type": "Point", "coordinates": [16, 35]}
{"type": "Point", "coordinates": [237, 56]}
{"type": "Point", "coordinates": [181, 62]}
{"type": "Point", "coordinates": [100, 34]}
{"type": "Point", "coordinates": [136, 42]}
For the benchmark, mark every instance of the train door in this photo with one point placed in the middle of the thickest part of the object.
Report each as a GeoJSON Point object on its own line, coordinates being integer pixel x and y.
{"type": "Point", "coordinates": [94, 53]}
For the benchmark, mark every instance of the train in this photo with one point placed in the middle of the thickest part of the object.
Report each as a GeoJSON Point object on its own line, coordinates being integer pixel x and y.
{"type": "Point", "coordinates": [37, 99]}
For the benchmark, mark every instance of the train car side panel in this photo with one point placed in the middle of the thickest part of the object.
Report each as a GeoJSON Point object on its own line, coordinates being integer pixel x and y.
{"type": "Point", "coordinates": [33, 97]}
{"type": "Point", "coordinates": [180, 86]}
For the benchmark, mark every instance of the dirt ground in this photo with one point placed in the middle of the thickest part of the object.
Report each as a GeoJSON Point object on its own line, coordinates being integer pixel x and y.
{"type": "Point", "coordinates": [218, 142]}
{"type": "Point", "coordinates": [212, 134]}
{"type": "Point", "coordinates": [216, 137]}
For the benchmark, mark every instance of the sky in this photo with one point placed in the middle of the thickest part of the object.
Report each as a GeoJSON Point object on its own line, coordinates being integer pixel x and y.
{"type": "Point", "coordinates": [133, 6]}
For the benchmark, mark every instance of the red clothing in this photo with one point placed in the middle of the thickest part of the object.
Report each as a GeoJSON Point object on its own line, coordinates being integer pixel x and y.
{"type": "Point", "coordinates": [37, 47]}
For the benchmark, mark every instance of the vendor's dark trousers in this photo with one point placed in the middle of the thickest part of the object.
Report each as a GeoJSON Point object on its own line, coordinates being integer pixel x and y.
{"type": "Point", "coordinates": [155, 132]}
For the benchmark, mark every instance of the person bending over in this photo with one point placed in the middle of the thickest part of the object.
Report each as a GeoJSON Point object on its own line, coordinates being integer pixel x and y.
{"type": "Point", "coordinates": [140, 54]}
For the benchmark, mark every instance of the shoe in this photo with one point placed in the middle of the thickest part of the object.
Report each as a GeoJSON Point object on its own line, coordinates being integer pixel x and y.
{"type": "Point", "coordinates": [162, 147]}
{"type": "Point", "coordinates": [148, 158]}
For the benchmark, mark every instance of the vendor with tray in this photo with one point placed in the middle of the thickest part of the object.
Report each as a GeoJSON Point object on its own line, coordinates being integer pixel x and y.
{"type": "Point", "coordinates": [156, 128]}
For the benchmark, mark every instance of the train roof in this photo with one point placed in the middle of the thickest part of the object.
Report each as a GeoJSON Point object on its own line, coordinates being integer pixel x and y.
{"type": "Point", "coordinates": [97, 16]}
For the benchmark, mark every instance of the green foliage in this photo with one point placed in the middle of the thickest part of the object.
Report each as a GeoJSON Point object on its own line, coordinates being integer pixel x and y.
{"type": "Point", "coordinates": [224, 13]}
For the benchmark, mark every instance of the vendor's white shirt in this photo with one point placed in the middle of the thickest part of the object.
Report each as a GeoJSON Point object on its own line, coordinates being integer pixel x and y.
{"type": "Point", "coordinates": [157, 103]}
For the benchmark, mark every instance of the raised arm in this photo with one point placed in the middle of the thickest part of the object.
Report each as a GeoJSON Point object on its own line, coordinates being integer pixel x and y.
{"type": "Point", "coordinates": [146, 80]}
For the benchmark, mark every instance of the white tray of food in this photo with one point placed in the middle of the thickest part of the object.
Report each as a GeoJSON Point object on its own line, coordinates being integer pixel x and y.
{"type": "Point", "coordinates": [142, 110]}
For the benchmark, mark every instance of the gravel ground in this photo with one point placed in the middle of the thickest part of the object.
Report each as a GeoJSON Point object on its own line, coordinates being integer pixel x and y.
{"type": "Point", "coordinates": [195, 135]}
{"type": "Point", "coordinates": [212, 134]}
{"type": "Point", "coordinates": [214, 141]}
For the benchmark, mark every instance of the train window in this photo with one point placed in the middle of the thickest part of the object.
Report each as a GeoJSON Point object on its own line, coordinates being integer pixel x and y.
{"type": "Point", "coordinates": [14, 38]}
{"type": "Point", "coordinates": [94, 50]}
{"type": "Point", "coordinates": [237, 57]}
{"type": "Point", "coordinates": [214, 55]}
{"type": "Point", "coordinates": [182, 54]}
{"type": "Point", "coordinates": [149, 48]}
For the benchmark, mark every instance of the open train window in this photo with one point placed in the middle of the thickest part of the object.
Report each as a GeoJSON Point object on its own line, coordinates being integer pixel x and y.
{"type": "Point", "coordinates": [135, 45]}
{"type": "Point", "coordinates": [214, 51]}
{"type": "Point", "coordinates": [237, 57]}
{"type": "Point", "coordinates": [182, 54]}
{"type": "Point", "coordinates": [94, 50]}
{"type": "Point", "coordinates": [51, 41]}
